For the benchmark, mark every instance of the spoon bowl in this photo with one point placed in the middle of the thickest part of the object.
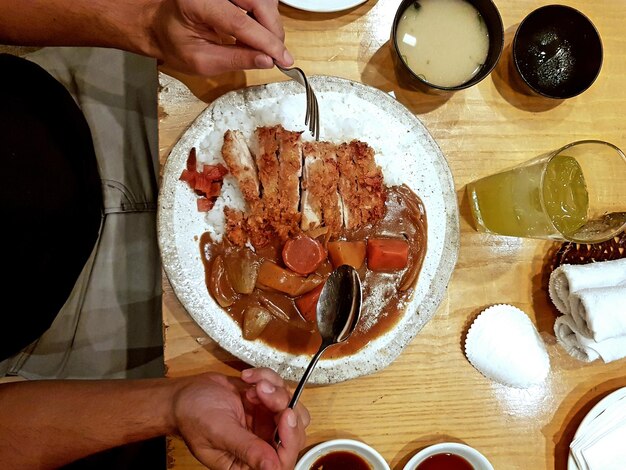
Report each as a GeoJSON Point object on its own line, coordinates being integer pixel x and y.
{"type": "Point", "coordinates": [339, 306]}
{"type": "Point", "coordinates": [338, 312]}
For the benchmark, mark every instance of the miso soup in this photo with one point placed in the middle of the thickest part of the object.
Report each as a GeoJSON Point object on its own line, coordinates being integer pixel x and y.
{"type": "Point", "coordinates": [444, 42]}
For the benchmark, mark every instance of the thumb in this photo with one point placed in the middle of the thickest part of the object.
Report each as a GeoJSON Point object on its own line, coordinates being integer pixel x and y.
{"type": "Point", "coordinates": [228, 58]}
{"type": "Point", "coordinates": [246, 446]}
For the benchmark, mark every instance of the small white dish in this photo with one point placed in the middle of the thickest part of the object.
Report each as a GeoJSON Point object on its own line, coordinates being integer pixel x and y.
{"type": "Point", "coordinates": [323, 6]}
{"type": "Point", "coordinates": [475, 458]}
{"type": "Point", "coordinates": [596, 411]}
{"type": "Point", "coordinates": [504, 345]}
{"type": "Point", "coordinates": [369, 454]}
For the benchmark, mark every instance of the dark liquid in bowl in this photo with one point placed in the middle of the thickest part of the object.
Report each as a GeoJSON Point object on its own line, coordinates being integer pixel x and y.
{"type": "Point", "coordinates": [340, 460]}
{"type": "Point", "coordinates": [445, 461]}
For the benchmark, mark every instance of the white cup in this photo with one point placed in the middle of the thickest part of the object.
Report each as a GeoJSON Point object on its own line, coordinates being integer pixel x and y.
{"type": "Point", "coordinates": [475, 458]}
{"type": "Point", "coordinates": [369, 454]}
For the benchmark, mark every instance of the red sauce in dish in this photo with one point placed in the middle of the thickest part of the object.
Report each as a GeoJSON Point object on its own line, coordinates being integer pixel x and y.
{"type": "Point", "coordinates": [340, 460]}
{"type": "Point", "coordinates": [445, 461]}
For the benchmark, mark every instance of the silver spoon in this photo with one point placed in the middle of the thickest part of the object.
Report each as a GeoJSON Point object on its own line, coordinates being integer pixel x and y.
{"type": "Point", "coordinates": [338, 311]}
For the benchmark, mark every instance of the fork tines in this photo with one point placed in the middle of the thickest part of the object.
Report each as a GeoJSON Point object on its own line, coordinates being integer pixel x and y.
{"type": "Point", "coordinates": [312, 114]}
{"type": "Point", "coordinates": [312, 118]}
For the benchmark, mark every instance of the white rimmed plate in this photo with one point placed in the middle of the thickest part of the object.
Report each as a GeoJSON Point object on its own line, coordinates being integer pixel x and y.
{"type": "Point", "coordinates": [596, 411]}
{"type": "Point", "coordinates": [323, 6]}
{"type": "Point", "coordinates": [408, 154]}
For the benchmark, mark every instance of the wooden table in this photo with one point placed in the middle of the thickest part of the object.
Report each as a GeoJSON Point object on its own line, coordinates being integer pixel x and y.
{"type": "Point", "coordinates": [431, 393]}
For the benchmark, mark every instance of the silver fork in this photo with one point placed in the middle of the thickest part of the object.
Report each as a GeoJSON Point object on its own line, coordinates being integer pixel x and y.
{"type": "Point", "coordinates": [312, 115]}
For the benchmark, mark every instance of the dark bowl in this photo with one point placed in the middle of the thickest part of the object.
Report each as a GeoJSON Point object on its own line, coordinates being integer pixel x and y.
{"type": "Point", "coordinates": [557, 51]}
{"type": "Point", "coordinates": [493, 21]}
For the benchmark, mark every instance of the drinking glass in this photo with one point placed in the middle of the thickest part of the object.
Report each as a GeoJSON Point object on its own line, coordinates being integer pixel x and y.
{"type": "Point", "coordinates": [575, 193]}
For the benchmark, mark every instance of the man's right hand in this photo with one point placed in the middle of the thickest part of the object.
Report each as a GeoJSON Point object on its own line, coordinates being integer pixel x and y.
{"type": "Point", "coordinates": [229, 422]}
{"type": "Point", "coordinates": [208, 37]}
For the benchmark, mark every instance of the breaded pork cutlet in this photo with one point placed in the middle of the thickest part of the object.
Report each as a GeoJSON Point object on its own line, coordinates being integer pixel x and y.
{"type": "Point", "coordinates": [360, 185]}
{"type": "Point", "coordinates": [321, 204]}
{"type": "Point", "coordinates": [236, 230]}
{"type": "Point", "coordinates": [290, 171]}
{"type": "Point", "coordinates": [341, 186]}
{"type": "Point", "coordinates": [279, 162]}
{"type": "Point", "coordinates": [241, 164]}
{"type": "Point", "coordinates": [267, 147]}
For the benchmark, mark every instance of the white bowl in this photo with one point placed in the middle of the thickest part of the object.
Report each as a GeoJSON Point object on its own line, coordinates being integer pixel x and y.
{"type": "Point", "coordinates": [359, 448]}
{"type": "Point", "coordinates": [475, 458]}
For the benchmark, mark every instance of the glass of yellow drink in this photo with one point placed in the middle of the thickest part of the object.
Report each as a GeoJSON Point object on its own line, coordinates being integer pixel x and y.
{"type": "Point", "coordinates": [576, 193]}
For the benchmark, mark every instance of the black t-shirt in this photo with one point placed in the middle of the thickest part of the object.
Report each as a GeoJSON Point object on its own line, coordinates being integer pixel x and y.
{"type": "Point", "coordinates": [50, 200]}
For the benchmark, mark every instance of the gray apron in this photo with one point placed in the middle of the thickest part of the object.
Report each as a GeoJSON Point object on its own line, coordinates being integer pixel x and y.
{"type": "Point", "coordinates": [110, 326]}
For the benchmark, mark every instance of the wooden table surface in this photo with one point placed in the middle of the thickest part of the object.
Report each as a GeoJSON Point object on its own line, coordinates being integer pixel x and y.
{"type": "Point", "coordinates": [431, 393]}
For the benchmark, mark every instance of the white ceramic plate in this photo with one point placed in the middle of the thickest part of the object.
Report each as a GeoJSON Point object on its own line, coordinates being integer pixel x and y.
{"type": "Point", "coordinates": [409, 152]}
{"type": "Point", "coordinates": [373, 458]}
{"type": "Point", "coordinates": [593, 414]}
{"type": "Point", "coordinates": [323, 6]}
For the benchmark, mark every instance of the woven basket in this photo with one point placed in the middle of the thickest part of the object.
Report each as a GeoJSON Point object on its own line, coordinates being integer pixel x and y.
{"type": "Point", "coordinates": [582, 253]}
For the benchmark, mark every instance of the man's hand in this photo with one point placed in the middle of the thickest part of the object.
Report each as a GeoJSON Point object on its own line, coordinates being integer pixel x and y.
{"type": "Point", "coordinates": [208, 37]}
{"type": "Point", "coordinates": [201, 37]}
{"type": "Point", "coordinates": [228, 422]}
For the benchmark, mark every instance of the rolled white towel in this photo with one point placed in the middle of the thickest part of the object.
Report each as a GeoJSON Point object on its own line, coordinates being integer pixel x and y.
{"type": "Point", "coordinates": [600, 313]}
{"type": "Point", "coordinates": [569, 278]}
{"type": "Point", "coordinates": [586, 349]}
{"type": "Point", "coordinates": [565, 332]}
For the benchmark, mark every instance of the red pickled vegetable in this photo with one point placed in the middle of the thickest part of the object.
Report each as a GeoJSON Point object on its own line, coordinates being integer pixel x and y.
{"type": "Point", "coordinates": [204, 204]}
{"type": "Point", "coordinates": [192, 160]}
{"type": "Point", "coordinates": [207, 183]}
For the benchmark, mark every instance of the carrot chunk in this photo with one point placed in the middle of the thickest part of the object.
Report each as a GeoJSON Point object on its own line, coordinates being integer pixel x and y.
{"type": "Point", "coordinates": [284, 280]}
{"type": "Point", "coordinates": [387, 254]}
{"type": "Point", "coordinates": [350, 253]}
{"type": "Point", "coordinates": [307, 304]}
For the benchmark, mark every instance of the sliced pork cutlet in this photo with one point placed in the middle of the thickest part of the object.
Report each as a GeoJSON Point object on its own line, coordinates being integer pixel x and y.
{"type": "Point", "coordinates": [313, 168]}
{"type": "Point", "coordinates": [321, 204]}
{"type": "Point", "coordinates": [360, 185]}
{"type": "Point", "coordinates": [265, 148]}
{"type": "Point", "coordinates": [241, 164]}
{"type": "Point", "coordinates": [348, 187]}
{"type": "Point", "coordinates": [290, 171]}
{"type": "Point", "coordinates": [235, 226]}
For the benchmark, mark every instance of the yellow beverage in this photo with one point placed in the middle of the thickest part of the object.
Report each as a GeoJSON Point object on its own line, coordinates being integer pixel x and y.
{"type": "Point", "coordinates": [543, 200]}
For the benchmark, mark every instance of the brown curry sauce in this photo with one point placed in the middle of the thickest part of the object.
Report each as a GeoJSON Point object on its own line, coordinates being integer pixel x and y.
{"type": "Point", "coordinates": [383, 300]}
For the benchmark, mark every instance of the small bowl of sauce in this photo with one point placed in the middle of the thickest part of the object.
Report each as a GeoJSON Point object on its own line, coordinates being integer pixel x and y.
{"type": "Point", "coordinates": [342, 454]}
{"type": "Point", "coordinates": [448, 456]}
{"type": "Point", "coordinates": [447, 45]}
{"type": "Point", "coordinates": [340, 459]}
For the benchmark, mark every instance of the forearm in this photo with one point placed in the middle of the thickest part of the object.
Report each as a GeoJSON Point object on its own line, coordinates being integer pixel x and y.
{"type": "Point", "coordinates": [122, 24]}
{"type": "Point", "coordinates": [46, 424]}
